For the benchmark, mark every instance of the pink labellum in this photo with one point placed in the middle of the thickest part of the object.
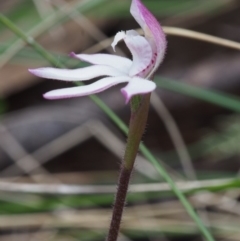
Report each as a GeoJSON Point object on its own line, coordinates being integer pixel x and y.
{"type": "Point", "coordinates": [152, 29]}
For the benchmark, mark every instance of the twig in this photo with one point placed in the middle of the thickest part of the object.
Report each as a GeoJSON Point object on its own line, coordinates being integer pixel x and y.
{"type": "Point", "coordinates": [175, 32]}
{"type": "Point", "coordinates": [175, 135]}
{"type": "Point", "coordinates": [64, 189]}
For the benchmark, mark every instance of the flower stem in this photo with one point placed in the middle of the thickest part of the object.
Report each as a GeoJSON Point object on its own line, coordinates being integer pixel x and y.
{"type": "Point", "coordinates": [139, 113]}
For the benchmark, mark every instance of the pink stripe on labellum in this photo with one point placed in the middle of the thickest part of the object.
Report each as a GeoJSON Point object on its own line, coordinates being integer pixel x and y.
{"type": "Point", "coordinates": [152, 29]}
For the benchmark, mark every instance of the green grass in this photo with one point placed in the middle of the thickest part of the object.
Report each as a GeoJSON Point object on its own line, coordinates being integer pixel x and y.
{"type": "Point", "coordinates": [26, 17]}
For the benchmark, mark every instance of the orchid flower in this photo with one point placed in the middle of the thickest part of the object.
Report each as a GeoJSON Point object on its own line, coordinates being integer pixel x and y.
{"type": "Point", "coordinates": [147, 54]}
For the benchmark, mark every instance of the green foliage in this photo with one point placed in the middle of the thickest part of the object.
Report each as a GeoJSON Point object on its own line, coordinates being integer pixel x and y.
{"type": "Point", "coordinates": [120, 9]}
{"type": "Point", "coordinates": [3, 106]}
{"type": "Point", "coordinates": [25, 16]}
{"type": "Point", "coordinates": [212, 96]}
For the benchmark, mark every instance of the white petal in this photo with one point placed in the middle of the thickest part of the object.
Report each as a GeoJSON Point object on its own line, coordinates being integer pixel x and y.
{"type": "Point", "coordinates": [137, 86]}
{"type": "Point", "coordinates": [76, 74]}
{"type": "Point", "coordinates": [96, 87]}
{"type": "Point", "coordinates": [141, 52]}
{"type": "Point", "coordinates": [118, 37]}
{"type": "Point", "coordinates": [118, 62]}
{"type": "Point", "coordinates": [132, 32]}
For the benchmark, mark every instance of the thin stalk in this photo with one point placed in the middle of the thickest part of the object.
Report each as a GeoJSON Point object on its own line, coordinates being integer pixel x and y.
{"type": "Point", "coordinates": [179, 194]}
{"type": "Point", "coordinates": [55, 17]}
{"type": "Point", "coordinates": [119, 203]}
{"type": "Point", "coordinates": [29, 40]}
{"type": "Point", "coordinates": [139, 113]}
{"type": "Point", "coordinates": [121, 126]}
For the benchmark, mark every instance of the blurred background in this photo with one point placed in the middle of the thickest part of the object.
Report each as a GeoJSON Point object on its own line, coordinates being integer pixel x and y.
{"type": "Point", "coordinates": [59, 159]}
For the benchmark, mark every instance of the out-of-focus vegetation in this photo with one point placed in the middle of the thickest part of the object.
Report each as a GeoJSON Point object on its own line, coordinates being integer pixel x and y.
{"type": "Point", "coordinates": [38, 144]}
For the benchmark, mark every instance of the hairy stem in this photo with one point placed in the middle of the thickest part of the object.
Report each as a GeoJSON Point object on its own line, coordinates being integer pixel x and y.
{"type": "Point", "coordinates": [139, 113]}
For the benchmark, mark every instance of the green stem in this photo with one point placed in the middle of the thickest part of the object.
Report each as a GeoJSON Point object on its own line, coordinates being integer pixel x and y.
{"type": "Point", "coordinates": [139, 113]}
{"type": "Point", "coordinates": [225, 100]}
{"type": "Point", "coordinates": [29, 40]}
{"type": "Point", "coordinates": [179, 194]}
{"type": "Point", "coordinates": [121, 126]}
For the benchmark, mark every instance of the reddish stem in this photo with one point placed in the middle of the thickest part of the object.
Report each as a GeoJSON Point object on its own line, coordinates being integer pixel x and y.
{"type": "Point", "coordinates": [139, 113]}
